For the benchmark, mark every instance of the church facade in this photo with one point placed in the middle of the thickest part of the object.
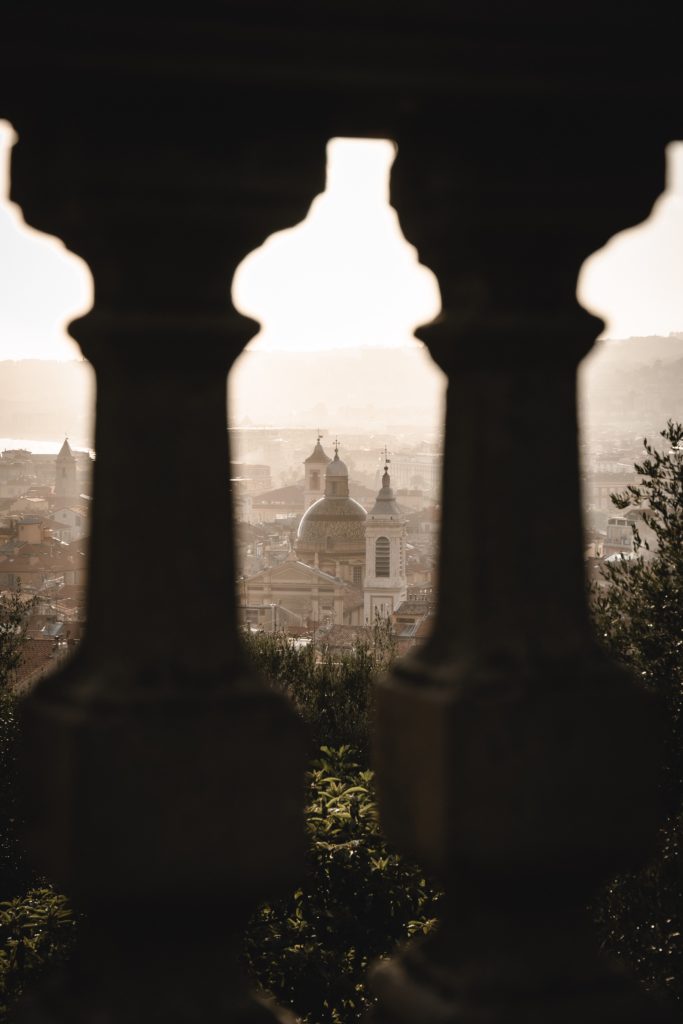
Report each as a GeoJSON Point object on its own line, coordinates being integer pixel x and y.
{"type": "Point", "coordinates": [347, 566]}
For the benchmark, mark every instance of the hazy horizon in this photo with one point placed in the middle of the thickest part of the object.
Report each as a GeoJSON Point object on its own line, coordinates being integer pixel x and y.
{"type": "Point", "coordinates": [384, 393]}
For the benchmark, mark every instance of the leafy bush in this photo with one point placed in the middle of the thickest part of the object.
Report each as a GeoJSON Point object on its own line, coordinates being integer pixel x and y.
{"type": "Point", "coordinates": [312, 950]}
{"type": "Point", "coordinates": [331, 691]}
{"type": "Point", "coordinates": [35, 930]}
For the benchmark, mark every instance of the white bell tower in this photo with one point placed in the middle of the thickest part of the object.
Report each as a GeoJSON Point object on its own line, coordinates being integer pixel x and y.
{"type": "Point", "coordinates": [385, 586]}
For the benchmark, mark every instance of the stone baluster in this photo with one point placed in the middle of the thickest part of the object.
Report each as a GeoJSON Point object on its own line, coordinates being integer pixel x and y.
{"type": "Point", "coordinates": [165, 780]}
{"type": "Point", "coordinates": [514, 760]}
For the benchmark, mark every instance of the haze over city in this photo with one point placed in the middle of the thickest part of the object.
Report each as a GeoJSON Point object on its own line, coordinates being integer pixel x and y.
{"type": "Point", "coordinates": [338, 297]}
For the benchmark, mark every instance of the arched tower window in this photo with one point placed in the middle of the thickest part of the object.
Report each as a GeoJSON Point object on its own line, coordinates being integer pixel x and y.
{"type": "Point", "coordinates": [315, 480]}
{"type": "Point", "coordinates": [382, 557]}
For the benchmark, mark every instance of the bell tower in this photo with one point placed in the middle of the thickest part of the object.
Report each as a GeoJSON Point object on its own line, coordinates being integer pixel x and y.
{"type": "Point", "coordinates": [385, 585]}
{"type": "Point", "coordinates": [315, 466]}
{"type": "Point", "coordinates": [65, 473]}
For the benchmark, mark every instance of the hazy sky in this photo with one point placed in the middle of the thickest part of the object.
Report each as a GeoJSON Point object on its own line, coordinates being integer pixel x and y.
{"type": "Point", "coordinates": [636, 281]}
{"type": "Point", "coordinates": [42, 285]}
{"type": "Point", "coordinates": [345, 277]}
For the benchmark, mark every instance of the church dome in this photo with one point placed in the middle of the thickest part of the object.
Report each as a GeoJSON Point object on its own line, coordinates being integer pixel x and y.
{"type": "Point", "coordinates": [334, 525]}
{"type": "Point", "coordinates": [342, 520]}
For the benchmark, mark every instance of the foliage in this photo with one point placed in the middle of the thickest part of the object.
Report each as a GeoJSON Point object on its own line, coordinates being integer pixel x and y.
{"type": "Point", "coordinates": [332, 691]}
{"type": "Point", "coordinates": [312, 950]}
{"type": "Point", "coordinates": [638, 612]}
{"type": "Point", "coordinates": [36, 925]}
{"type": "Point", "coordinates": [14, 612]}
{"type": "Point", "coordinates": [15, 875]}
{"type": "Point", "coordinates": [35, 929]}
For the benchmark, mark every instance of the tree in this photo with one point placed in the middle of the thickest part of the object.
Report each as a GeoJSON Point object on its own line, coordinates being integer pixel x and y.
{"type": "Point", "coordinates": [14, 872]}
{"type": "Point", "coordinates": [638, 611]}
{"type": "Point", "coordinates": [14, 613]}
{"type": "Point", "coordinates": [36, 924]}
{"type": "Point", "coordinates": [332, 692]}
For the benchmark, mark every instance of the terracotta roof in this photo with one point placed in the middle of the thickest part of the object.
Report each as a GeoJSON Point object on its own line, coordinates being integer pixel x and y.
{"type": "Point", "coordinates": [72, 591]}
{"type": "Point", "coordinates": [79, 510]}
{"type": "Point", "coordinates": [38, 659]}
{"type": "Point", "coordinates": [293, 493]}
{"type": "Point", "coordinates": [310, 570]}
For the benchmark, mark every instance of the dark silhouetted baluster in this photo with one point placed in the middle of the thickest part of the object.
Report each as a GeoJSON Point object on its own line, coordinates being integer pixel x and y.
{"type": "Point", "coordinates": [514, 760]}
{"type": "Point", "coordinates": [166, 779]}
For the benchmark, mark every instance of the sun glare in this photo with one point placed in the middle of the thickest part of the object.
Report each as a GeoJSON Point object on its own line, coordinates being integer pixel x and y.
{"type": "Point", "coordinates": [345, 277]}
{"type": "Point", "coordinates": [43, 286]}
{"type": "Point", "coordinates": [635, 282]}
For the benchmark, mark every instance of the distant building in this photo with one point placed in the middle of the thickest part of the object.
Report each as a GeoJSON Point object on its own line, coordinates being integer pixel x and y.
{"type": "Point", "coordinates": [385, 585]}
{"type": "Point", "coordinates": [417, 471]}
{"type": "Point", "coordinates": [331, 533]}
{"type": "Point", "coordinates": [348, 566]}
{"type": "Point", "coordinates": [71, 523]}
{"type": "Point", "coordinates": [296, 594]}
{"type": "Point", "coordinates": [314, 480]}
{"type": "Point", "coordinates": [413, 621]}
{"type": "Point", "coordinates": [254, 477]}
{"type": "Point", "coordinates": [17, 473]}
{"type": "Point", "coordinates": [619, 537]}
{"type": "Point", "coordinates": [281, 503]}
{"type": "Point", "coordinates": [66, 485]}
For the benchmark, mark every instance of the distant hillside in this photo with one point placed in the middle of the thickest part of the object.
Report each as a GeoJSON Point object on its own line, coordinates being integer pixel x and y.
{"type": "Point", "coordinates": [636, 384]}
{"type": "Point", "coordinates": [626, 352]}
{"type": "Point", "coordinates": [359, 387]}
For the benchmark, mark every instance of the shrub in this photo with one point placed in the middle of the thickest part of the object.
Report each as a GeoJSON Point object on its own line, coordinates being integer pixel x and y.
{"type": "Point", "coordinates": [312, 950]}
{"type": "Point", "coordinates": [36, 929]}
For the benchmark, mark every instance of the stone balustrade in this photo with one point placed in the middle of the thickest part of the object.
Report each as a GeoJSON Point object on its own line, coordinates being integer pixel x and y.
{"type": "Point", "coordinates": [513, 758]}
